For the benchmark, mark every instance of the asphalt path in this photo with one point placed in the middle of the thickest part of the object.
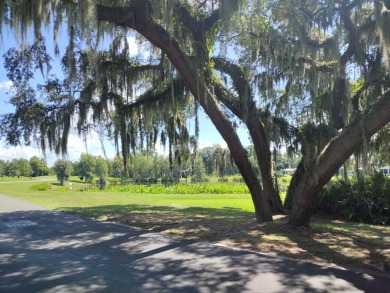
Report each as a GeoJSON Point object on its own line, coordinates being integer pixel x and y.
{"type": "Point", "coordinates": [48, 251]}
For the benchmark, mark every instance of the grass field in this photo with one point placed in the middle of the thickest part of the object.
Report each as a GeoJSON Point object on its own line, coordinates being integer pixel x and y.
{"type": "Point", "coordinates": [226, 219]}
{"type": "Point", "coordinates": [59, 199]}
{"type": "Point", "coordinates": [26, 179]}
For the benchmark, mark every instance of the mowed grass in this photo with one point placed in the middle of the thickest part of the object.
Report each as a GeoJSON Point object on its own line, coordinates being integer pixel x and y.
{"type": "Point", "coordinates": [57, 199]}
{"type": "Point", "coordinates": [226, 219]}
{"type": "Point", "coordinates": [25, 179]}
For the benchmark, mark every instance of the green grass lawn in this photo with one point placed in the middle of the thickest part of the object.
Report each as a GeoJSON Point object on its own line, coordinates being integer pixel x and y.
{"type": "Point", "coordinates": [28, 179]}
{"type": "Point", "coordinates": [58, 200]}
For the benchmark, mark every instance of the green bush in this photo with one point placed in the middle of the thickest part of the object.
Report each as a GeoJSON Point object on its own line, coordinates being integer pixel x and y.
{"type": "Point", "coordinates": [45, 186]}
{"type": "Point", "coordinates": [114, 181]}
{"type": "Point", "coordinates": [198, 180]}
{"type": "Point", "coordinates": [366, 201]}
{"type": "Point", "coordinates": [145, 181]}
{"type": "Point", "coordinates": [63, 189]}
{"type": "Point", "coordinates": [169, 180]}
{"type": "Point", "coordinates": [238, 179]}
{"type": "Point", "coordinates": [127, 181]}
{"type": "Point", "coordinates": [284, 179]}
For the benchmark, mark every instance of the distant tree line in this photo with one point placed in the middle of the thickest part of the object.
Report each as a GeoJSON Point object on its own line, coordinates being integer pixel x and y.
{"type": "Point", "coordinates": [213, 161]}
{"type": "Point", "coordinates": [23, 167]}
{"type": "Point", "coordinates": [147, 165]}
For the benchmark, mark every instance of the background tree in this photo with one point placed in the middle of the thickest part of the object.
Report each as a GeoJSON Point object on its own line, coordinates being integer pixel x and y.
{"type": "Point", "coordinates": [116, 168]}
{"type": "Point", "coordinates": [286, 161]}
{"type": "Point", "coordinates": [101, 171]}
{"type": "Point", "coordinates": [2, 167]}
{"type": "Point", "coordinates": [162, 168]}
{"type": "Point", "coordinates": [207, 157]}
{"type": "Point", "coordinates": [24, 168]}
{"type": "Point", "coordinates": [198, 170]}
{"type": "Point", "coordinates": [141, 167]}
{"type": "Point", "coordinates": [12, 168]}
{"type": "Point", "coordinates": [62, 169]}
{"type": "Point", "coordinates": [86, 167]}
{"type": "Point", "coordinates": [220, 158]}
{"type": "Point", "coordinates": [38, 166]}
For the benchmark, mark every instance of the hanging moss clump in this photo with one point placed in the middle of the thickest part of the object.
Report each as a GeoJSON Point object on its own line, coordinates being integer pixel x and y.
{"type": "Point", "coordinates": [383, 25]}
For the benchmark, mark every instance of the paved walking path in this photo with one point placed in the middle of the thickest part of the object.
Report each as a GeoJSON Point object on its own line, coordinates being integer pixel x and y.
{"type": "Point", "coordinates": [48, 251]}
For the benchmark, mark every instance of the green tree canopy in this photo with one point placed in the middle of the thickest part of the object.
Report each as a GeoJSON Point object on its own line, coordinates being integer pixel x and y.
{"type": "Point", "coordinates": [38, 166]}
{"type": "Point", "coordinates": [101, 171]}
{"type": "Point", "coordinates": [86, 167]}
{"type": "Point", "coordinates": [62, 169]}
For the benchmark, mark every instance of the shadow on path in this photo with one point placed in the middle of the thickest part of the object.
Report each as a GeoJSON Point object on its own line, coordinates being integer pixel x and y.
{"type": "Point", "coordinates": [57, 252]}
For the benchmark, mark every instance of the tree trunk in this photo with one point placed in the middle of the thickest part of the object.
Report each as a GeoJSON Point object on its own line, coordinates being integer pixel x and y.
{"type": "Point", "coordinates": [346, 179]}
{"type": "Point", "coordinates": [251, 117]}
{"type": "Point", "coordinates": [264, 158]}
{"type": "Point", "coordinates": [295, 179]}
{"type": "Point", "coordinates": [137, 17]}
{"type": "Point", "coordinates": [333, 156]}
{"type": "Point", "coordinates": [357, 172]}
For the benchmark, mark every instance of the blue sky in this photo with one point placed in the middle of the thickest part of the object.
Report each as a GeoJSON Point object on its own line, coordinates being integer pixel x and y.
{"type": "Point", "coordinates": [208, 134]}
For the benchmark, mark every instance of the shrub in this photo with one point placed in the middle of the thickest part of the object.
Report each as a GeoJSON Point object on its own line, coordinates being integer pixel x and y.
{"type": "Point", "coordinates": [199, 180]}
{"type": "Point", "coordinates": [114, 181]}
{"type": "Point", "coordinates": [366, 201]}
{"type": "Point", "coordinates": [169, 180]}
{"type": "Point", "coordinates": [62, 189]}
{"type": "Point", "coordinates": [101, 183]}
{"type": "Point", "coordinates": [127, 181]}
{"type": "Point", "coordinates": [41, 186]}
{"type": "Point", "coordinates": [238, 179]}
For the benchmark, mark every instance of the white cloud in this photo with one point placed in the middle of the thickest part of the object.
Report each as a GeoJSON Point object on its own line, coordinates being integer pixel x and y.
{"type": "Point", "coordinates": [5, 85]}
{"type": "Point", "coordinates": [76, 146]}
{"type": "Point", "coordinates": [160, 149]}
{"type": "Point", "coordinates": [206, 143]}
{"type": "Point", "coordinates": [223, 144]}
{"type": "Point", "coordinates": [139, 49]}
{"type": "Point", "coordinates": [8, 153]}
{"type": "Point", "coordinates": [133, 46]}
{"type": "Point", "coordinates": [25, 152]}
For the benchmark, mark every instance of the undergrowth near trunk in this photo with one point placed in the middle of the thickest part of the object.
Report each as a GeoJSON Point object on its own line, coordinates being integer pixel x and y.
{"type": "Point", "coordinates": [365, 200]}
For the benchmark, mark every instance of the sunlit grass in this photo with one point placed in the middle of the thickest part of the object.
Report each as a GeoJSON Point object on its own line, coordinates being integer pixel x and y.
{"type": "Point", "coordinates": [25, 179]}
{"type": "Point", "coordinates": [58, 199]}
